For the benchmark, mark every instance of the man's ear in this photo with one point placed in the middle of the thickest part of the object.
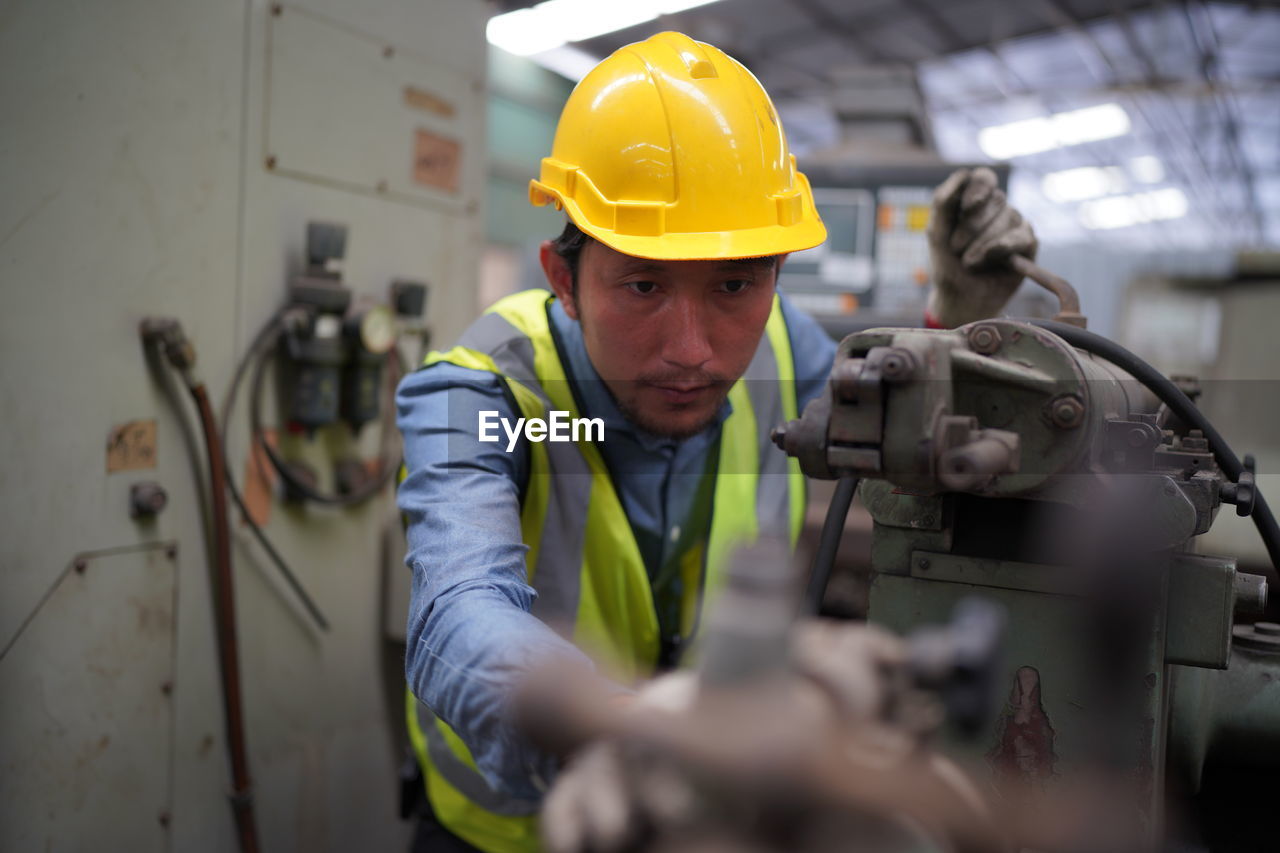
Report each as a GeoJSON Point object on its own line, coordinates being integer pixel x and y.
{"type": "Point", "coordinates": [559, 277]}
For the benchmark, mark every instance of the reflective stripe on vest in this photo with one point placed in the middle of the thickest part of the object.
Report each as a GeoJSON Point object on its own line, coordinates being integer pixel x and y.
{"type": "Point", "coordinates": [583, 559]}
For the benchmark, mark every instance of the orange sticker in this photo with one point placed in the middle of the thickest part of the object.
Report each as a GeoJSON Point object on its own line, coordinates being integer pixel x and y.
{"type": "Point", "coordinates": [423, 100]}
{"type": "Point", "coordinates": [436, 161]}
{"type": "Point", "coordinates": [259, 481]}
{"type": "Point", "coordinates": [132, 446]}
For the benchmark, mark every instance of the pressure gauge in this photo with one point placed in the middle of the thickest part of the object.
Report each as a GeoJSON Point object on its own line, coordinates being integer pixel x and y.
{"type": "Point", "coordinates": [378, 330]}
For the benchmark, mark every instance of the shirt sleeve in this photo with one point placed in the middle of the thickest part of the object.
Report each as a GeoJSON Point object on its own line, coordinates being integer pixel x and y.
{"type": "Point", "coordinates": [470, 635]}
{"type": "Point", "coordinates": [812, 350]}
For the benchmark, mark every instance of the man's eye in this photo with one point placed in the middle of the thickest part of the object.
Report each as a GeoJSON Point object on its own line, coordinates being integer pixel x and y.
{"type": "Point", "coordinates": [644, 288]}
{"type": "Point", "coordinates": [737, 285]}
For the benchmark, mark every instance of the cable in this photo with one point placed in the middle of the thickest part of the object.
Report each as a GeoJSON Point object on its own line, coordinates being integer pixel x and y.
{"type": "Point", "coordinates": [1181, 405]}
{"type": "Point", "coordinates": [824, 558]}
{"type": "Point", "coordinates": [259, 345]}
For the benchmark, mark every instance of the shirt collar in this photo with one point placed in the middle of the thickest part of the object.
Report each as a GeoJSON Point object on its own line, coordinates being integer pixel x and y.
{"type": "Point", "coordinates": [594, 395]}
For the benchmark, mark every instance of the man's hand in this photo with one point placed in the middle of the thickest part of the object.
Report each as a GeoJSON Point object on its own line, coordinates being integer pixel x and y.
{"type": "Point", "coordinates": [972, 233]}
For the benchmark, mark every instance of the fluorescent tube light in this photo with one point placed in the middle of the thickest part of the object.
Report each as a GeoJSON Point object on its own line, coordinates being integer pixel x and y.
{"type": "Point", "coordinates": [1033, 135]}
{"type": "Point", "coordinates": [555, 22]}
{"type": "Point", "coordinates": [1083, 183]}
{"type": "Point", "coordinates": [1125, 210]}
{"type": "Point", "coordinates": [567, 61]}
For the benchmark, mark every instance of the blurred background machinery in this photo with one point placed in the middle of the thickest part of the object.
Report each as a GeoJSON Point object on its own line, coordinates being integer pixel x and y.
{"type": "Point", "coordinates": [290, 186]}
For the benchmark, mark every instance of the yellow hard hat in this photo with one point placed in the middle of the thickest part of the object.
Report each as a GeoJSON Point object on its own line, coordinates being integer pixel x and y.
{"type": "Point", "coordinates": [669, 149]}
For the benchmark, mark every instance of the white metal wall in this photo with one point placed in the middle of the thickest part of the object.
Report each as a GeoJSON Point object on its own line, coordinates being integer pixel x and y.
{"type": "Point", "coordinates": [138, 179]}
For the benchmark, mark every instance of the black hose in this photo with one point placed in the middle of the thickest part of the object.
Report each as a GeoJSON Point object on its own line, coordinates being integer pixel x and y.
{"type": "Point", "coordinates": [824, 559]}
{"type": "Point", "coordinates": [264, 337]}
{"type": "Point", "coordinates": [1179, 404]}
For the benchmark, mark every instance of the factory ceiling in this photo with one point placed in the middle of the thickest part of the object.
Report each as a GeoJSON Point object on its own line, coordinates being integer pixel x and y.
{"type": "Point", "coordinates": [1188, 156]}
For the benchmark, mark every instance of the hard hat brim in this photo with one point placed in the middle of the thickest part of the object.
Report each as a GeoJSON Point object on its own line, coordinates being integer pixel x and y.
{"type": "Point", "coordinates": [692, 246]}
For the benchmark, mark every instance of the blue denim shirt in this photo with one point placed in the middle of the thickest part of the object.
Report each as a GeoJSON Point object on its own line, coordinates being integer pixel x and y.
{"type": "Point", "coordinates": [470, 633]}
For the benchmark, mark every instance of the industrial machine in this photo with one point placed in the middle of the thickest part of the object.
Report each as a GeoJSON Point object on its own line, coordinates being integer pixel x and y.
{"type": "Point", "coordinates": [1050, 471]}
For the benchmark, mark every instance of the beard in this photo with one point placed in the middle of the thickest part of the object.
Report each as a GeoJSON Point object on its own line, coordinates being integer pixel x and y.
{"type": "Point", "coordinates": [663, 424]}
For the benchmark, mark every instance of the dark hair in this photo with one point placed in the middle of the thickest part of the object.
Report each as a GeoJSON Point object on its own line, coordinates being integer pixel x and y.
{"type": "Point", "coordinates": [572, 239]}
{"type": "Point", "coordinates": [569, 246]}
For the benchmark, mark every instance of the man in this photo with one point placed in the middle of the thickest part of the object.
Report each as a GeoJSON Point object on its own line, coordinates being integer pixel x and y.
{"type": "Point", "coordinates": [663, 321]}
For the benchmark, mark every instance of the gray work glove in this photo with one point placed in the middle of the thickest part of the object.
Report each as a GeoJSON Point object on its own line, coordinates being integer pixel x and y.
{"type": "Point", "coordinates": [605, 797]}
{"type": "Point", "coordinates": [972, 233]}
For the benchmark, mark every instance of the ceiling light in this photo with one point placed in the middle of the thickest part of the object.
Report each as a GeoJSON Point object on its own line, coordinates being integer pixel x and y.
{"type": "Point", "coordinates": [1137, 209]}
{"type": "Point", "coordinates": [1084, 182]}
{"type": "Point", "coordinates": [567, 61]}
{"type": "Point", "coordinates": [556, 22]}
{"type": "Point", "coordinates": [1147, 169]}
{"type": "Point", "coordinates": [1033, 135]}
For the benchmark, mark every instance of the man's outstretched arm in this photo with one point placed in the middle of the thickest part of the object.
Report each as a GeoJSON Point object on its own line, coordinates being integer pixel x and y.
{"type": "Point", "coordinates": [470, 638]}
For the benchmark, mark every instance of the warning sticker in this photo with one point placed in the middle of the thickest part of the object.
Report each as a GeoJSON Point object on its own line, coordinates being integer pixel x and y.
{"type": "Point", "coordinates": [436, 161]}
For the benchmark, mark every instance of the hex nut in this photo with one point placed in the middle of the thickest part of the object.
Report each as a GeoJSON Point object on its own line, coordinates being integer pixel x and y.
{"type": "Point", "coordinates": [984, 338]}
{"type": "Point", "coordinates": [897, 366]}
{"type": "Point", "coordinates": [1066, 411]}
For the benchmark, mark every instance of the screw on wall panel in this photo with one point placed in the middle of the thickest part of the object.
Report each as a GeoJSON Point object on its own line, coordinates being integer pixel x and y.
{"type": "Point", "coordinates": [1150, 680]}
{"type": "Point", "coordinates": [271, 162]}
{"type": "Point", "coordinates": [81, 564]}
{"type": "Point", "coordinates": [167, 688]}
{"type": "Point", "coordinates": [276, 9]}
{"type": "Point", "coordinates": [171, 552]}
{"type": "Point", "coordinates": [923, 564]}
{"type": "Point", "coordinates": [382, 186]}
{"type": "Point", "coordinates": [388, 52]}
{"type": "Point", "coordinates": [165, 819]}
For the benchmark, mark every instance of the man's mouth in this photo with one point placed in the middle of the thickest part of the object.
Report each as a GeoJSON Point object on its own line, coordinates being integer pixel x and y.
{"type": "Point", "coordinates": [682, 392]}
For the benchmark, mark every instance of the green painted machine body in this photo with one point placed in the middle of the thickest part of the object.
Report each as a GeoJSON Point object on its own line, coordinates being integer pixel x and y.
{"type": "Point", "coordinates": [990, 456]}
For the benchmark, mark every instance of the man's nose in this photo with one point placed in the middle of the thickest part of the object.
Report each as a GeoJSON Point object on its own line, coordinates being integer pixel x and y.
{"type": "Point", "coordinates": [687, 343]}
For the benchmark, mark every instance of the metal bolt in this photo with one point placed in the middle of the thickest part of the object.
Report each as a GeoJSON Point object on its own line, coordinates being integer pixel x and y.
{"type": "Point", "coordinates": [984, 339]}
{"type": "Point", "coordinates": [896, 366]}
{"type": "Point", "coordinates": [80, 565]}
{"type": "Point", "coordinates": [1066, 412]}
{"type": "Point", "coordinates": [1137, 437]}
{"type": "Point", "coordinates": [923, 564]}
{"type": "Point", "coordinates": [146, 499]}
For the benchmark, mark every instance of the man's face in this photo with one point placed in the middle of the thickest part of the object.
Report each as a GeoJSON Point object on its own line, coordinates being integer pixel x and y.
{"type": "Point", "coordinates": [669, 338]}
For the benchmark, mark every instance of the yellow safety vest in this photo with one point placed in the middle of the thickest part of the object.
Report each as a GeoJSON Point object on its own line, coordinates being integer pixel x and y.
{"type": "Point", "coordinates": [583, 559]}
